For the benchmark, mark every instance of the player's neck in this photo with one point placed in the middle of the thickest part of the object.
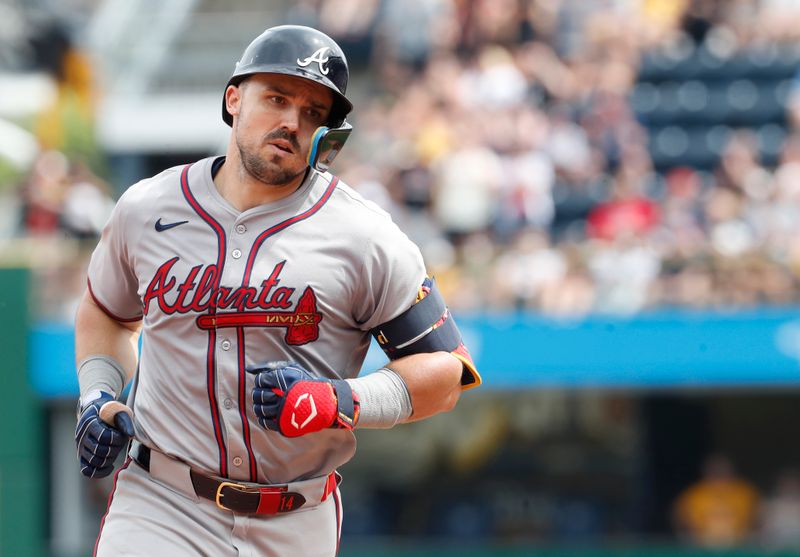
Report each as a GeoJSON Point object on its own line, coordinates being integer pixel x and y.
{"type": "Point", "coordinates": [244, 192]}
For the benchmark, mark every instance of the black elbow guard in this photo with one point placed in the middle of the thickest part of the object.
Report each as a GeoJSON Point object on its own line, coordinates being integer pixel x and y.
{"type": "Point", "coordinates": [427, 327]}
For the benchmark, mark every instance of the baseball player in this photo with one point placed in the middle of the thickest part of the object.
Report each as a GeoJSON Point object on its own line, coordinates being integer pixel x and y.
{"type": "Point", "coordinates": [255, 280]}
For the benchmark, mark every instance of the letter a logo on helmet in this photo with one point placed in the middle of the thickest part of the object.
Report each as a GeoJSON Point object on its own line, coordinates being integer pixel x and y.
{"type": "Point", "coordinates": [318, 57]}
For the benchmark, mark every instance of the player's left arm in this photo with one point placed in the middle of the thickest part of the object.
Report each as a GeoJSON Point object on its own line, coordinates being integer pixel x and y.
{"type": "Point", "coordinates": [433, 382]}
{"type": "Point", "coordinates": [429, 364]}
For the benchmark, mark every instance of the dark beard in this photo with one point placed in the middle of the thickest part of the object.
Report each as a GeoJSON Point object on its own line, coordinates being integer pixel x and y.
{"type": "Point", "coordinates": [268, 171]}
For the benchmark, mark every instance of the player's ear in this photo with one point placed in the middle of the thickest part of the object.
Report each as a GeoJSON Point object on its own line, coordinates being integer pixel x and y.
{"type": "Point", "coordinates": [233, 99]}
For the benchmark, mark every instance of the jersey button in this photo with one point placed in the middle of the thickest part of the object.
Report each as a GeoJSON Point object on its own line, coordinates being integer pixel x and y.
{"type": "Point", "coordinates": [241, 229]}
{"type": "Point", "coordinates": [228, 403]}
{"type": "Point", "coordinates": [226, 344]}
{"type": "Point", "coordinates": [237, 253]}
{"type": "Point", "coordinates": [237, 461]}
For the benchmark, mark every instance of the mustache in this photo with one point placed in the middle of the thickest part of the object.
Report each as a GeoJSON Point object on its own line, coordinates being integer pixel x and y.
{"type": "Point", "coordinates": [283, 134]}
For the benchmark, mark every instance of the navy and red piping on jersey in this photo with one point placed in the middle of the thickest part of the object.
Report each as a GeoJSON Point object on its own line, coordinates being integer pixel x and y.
{"type": "Point", "coordinates": [212, 334]}
{"type": "Point", "coordinates": [243, 403]}
{"type": "Point", "coordinates": [107, 311]}
{"type": "Point", "coordinates": [283, 225]}
{"type": "Point", "coordinates": [108, 507]}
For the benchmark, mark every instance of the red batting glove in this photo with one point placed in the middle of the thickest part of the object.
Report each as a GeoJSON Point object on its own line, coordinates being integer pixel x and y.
{"type": "Point", "coordinates": [290, 400]}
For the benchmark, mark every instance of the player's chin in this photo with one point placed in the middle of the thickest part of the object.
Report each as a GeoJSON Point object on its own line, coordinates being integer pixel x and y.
{"type": "Point", "coordinates": [277, 173]}
{"type": "Point", "coordinates": [288, 166]}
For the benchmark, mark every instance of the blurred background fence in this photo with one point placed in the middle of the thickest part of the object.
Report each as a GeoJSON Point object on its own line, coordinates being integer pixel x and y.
{"type": "Point", "coordinates": [608, 191]}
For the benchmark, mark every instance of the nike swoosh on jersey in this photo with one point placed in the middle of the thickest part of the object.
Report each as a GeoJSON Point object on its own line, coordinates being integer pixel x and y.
{"type": "Point", "coordinates": [162, 227]}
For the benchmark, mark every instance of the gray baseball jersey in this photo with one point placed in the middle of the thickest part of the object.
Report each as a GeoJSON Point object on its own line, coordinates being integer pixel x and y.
{"type": "Point", "coordinates": [302, 279]}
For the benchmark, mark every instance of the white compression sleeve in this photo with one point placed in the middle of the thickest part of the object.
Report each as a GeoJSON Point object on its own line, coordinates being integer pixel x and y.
{"type": "Point", "coordinates": [100, 373]}
{"type": "Point", "coordinates": [383, 397]}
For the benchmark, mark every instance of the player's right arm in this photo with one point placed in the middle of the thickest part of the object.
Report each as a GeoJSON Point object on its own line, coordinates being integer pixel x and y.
{"type": "Point", "coordinates": [106, 354]}
{"type": "Point", "coordinates": [109, 316]}
{"type": "Point", "coordinates": [106, 345]}
{"type": "Point", "coordinates": [98, 333]}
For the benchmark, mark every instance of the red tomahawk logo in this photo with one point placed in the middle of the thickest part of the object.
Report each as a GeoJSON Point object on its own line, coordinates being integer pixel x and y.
{"type": "Point", "coordinates": [302, 324]}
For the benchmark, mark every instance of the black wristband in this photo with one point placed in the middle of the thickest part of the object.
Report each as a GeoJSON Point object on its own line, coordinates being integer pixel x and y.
{"type": "Point", "coordinates": [347, 405]}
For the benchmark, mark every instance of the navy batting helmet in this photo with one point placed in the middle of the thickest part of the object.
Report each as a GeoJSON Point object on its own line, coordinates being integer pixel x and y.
{"type": "Point", "coordinates": [302, 52]}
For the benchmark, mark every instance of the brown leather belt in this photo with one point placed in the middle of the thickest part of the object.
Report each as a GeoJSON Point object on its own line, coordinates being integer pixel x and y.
{"type": "Point", "coordinates": [241, 498]}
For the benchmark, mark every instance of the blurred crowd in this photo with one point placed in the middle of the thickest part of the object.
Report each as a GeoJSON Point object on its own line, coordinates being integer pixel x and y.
{"type": "Point", "coordinates": [500, 134]}
{"type": "Point", "coordinates": [724, 509]}
{"type": "Point", "coordinates": [63, 196]}
{"type": "Point", "coordinates": [502, 137]}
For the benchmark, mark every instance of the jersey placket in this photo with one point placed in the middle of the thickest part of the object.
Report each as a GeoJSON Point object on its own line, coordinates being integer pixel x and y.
{"type": "Point", "coordinates": [231, 376]}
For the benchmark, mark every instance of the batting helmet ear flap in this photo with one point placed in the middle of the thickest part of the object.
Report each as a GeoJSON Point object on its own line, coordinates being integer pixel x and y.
{"type": "Point", "coordinates": [326, 144]}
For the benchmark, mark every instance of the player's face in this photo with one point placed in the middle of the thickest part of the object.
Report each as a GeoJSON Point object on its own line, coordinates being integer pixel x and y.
{"type": "Point", "coordinates": [275, 116]}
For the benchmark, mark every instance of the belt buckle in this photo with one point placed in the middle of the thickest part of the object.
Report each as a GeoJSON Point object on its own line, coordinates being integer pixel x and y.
{"type": "Point", "coordinates": [219, 495]}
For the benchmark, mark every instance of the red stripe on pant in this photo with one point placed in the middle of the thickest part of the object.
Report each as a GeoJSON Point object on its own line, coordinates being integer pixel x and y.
{"type": "Point", "coordinates": [108, 508]}
{"type": "Point", "coordinates": [338, 505]}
